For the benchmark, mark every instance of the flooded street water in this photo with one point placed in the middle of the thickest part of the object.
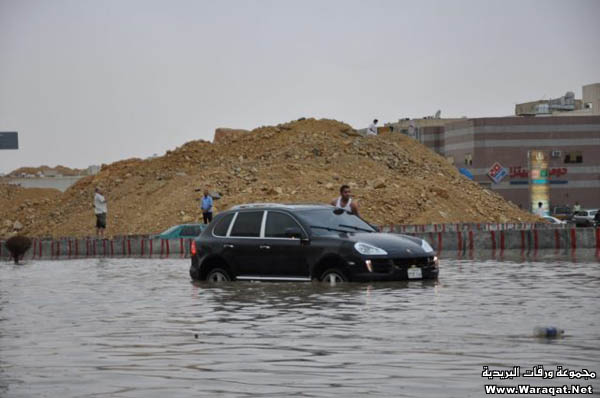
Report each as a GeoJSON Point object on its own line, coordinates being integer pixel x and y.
{"type": "Point", "coordinates": [139, 328]}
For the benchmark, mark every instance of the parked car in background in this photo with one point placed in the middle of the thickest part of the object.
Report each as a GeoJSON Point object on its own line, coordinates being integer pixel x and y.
{"type": "Point", "coordinates": [305, 242]}
{"type": "Point", "coordinates": [562, 212]}
{"type": "Point", "coordinates": [584, 218]}
{"type": "Point", "coordinates": [554, 220]}
{"type": "Point", "coordinates": [182, 231]}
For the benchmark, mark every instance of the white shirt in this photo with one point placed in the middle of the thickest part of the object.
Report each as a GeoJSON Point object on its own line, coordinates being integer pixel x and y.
{"type": "Point", "coordinates": [99, 204]}
{"type": "Point", "coordinates": [347, 207]}
{"type": "Point", "coordinates": [372, 130]}
{"type": "Point", "coordinates": [540, 211]}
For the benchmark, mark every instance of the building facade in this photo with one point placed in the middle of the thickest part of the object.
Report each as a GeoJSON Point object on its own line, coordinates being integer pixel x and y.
{"type": "Point", "coordinates": [591, 98]}
{"type": "Point", "coordinates": [571, 145]}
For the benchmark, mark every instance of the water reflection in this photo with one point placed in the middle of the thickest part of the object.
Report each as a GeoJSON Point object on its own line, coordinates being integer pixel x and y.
{"type": "Point", "coordinates": [139, 328]}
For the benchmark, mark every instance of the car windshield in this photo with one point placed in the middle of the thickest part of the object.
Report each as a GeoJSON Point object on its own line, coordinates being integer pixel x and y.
{"type": "Point", "coordinates": [170, 230]}
{"type": "Point", "coordinates": [328, 221]}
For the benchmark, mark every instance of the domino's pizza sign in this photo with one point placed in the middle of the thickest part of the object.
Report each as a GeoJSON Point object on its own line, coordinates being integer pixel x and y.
{"type": "Point", "coordinates": [497, 172]}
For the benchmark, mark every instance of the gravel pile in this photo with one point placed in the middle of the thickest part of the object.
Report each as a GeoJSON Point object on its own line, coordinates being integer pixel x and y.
{"type": "Point", "coordinates": [394, 179]}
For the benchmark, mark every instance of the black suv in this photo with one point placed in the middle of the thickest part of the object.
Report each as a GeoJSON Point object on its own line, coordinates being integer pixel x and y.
{"type": "Point", "coordinates": [302, 242]}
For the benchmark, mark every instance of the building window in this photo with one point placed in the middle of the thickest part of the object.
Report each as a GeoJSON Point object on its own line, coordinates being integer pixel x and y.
{"type": "Point", "coordinates": [573, 157]}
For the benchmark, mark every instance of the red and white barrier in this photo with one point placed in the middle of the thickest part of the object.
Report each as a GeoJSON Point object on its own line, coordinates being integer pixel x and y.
{"type": "Point", "coordinates": [461, 238]}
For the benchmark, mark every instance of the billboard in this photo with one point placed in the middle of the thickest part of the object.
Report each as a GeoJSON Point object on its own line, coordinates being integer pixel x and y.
{"type": "Point", "coordinates": [539, 189]}
{"type": "Point", "coordinates": [9, 140]}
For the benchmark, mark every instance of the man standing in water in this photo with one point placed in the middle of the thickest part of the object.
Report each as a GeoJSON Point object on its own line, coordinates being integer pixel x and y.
{"type": "Point", "coordinates": [344, 201]}
{"type": "Point", "coordinates": [100, 209]}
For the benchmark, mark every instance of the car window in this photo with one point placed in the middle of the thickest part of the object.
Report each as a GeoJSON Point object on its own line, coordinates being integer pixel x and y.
{"type": "Point", "coordinates": [277, 223]}
{"type": "Point", "coordinates": [190, 230]}
{"type": "Point", "coordinates": [223, 225]}
{"type": "Point", "coordinates": [170, 230]}
{"type": "Point", "coordinates": [320, 219]}
{"type": "Point", "coordinates": [247, 224]}
{"type": "Point", "coordinates": [185, 231]}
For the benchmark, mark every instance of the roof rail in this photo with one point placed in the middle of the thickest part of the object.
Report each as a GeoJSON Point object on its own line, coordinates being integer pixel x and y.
{"type": "Point", "coordinates": [251, 205]}
{"type": "Point", "coordinates": [284, 205]}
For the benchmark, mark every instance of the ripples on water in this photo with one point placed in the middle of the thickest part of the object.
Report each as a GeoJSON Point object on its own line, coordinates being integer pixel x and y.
{"type": "Point", "coordinates": [139, 328]}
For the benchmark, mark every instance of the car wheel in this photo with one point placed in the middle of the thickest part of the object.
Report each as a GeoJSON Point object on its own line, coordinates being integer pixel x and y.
{"type": "Point", "coordinates": [333, 276]}
{"type": "Point", "coordinates": [217, 275]}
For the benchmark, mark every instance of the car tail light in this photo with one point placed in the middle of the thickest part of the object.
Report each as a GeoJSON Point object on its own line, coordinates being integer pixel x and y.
{"type": "Point", "coordinates": [193, 250]}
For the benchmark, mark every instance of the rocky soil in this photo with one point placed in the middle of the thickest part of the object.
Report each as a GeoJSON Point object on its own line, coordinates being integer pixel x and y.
{"type": "Point", "coordinates": [394, 179]}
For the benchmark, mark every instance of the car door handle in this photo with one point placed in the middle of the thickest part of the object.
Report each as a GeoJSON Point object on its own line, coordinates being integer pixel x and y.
{"type": "Point", "coordinates": [264, 247]}
{"type": "Point", "coordinates": [228, 246]}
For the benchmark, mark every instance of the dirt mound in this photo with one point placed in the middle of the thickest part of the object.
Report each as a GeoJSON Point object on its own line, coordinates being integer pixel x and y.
{"type": "Point", "coordinates": [21, 209]}
{"type": "Point", "coordinates": [46, 170]}
{"type": "Point", "coordinates": [394, 179]}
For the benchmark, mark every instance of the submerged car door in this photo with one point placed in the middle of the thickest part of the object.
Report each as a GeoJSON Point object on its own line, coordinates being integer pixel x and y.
{"type": "Point", "coordinates": [284, 256]}
{"type": "Point", "coordinates": [243, 244]}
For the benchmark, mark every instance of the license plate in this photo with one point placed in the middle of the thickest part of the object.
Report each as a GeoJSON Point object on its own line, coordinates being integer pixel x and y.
{"type": "Point", "coordinates": [415, 273]}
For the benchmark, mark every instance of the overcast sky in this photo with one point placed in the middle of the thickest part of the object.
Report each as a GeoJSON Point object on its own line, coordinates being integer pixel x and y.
{"type": "Point", "coordinates": [89, 82]}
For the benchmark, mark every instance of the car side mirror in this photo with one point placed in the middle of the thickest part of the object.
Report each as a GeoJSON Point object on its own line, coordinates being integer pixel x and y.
{"type": "Point", "coordinates": [294, 233]}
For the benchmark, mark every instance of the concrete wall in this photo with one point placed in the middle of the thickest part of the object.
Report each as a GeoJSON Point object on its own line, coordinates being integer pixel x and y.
{"type": "Point", "coordinates": [131, 246]}
{"type": "Point", "coordinates": [60, 183]}
{"type": "Point", "coordinates": [524, 240]}
{"type": "Point", "coordinates": [591, 95]}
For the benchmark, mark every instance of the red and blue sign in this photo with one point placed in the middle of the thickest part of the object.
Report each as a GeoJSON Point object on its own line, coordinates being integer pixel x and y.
{"type": "Point", "coordinates": [497, 172]}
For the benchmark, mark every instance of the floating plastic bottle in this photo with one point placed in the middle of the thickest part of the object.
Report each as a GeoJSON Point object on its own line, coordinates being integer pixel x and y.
{"type": "Point", "coordinates": [547, 331]}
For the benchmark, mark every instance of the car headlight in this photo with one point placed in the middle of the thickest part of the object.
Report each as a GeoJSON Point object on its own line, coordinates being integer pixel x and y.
{"type": "Point", "coordinates": [369, 250]}
{"type": "Point", "coordinates": [426, 246]}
